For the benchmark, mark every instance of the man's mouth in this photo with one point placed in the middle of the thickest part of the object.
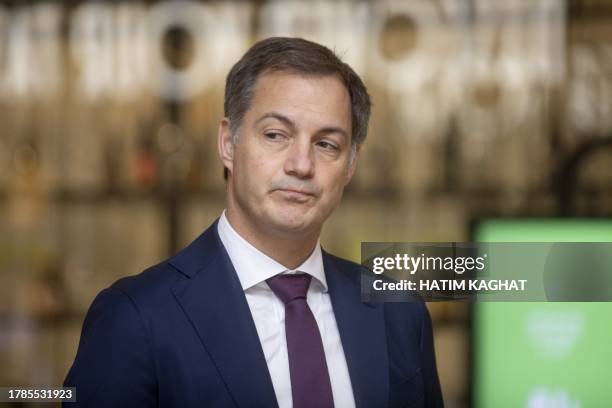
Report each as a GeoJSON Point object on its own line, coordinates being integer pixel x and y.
{"type": "Point", "coordinates": [296, 195]}
{"type": "Point", "coordinates": [294, 190]}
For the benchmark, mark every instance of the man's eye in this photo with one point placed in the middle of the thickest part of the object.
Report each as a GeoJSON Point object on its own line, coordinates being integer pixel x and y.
{"type": "Point", "coordinates": [273, 135]}
{"type": "Point", "coordinates": [327, 145]}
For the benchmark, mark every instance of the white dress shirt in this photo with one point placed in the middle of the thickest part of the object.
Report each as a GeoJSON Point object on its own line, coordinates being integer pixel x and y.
{"type": "Point", "coordinates": [253, 268]}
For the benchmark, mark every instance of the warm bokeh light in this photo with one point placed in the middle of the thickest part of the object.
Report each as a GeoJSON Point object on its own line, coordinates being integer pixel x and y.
{"type": "Point", "coordinates": [108, 123]}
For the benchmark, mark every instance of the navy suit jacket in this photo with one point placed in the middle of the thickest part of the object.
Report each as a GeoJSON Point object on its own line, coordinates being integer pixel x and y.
{"type": "Point", "coordinates": [180, 334]}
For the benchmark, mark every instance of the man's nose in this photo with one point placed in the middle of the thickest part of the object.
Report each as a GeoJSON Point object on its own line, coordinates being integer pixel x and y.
{"type": "Point", "coordinates": [299, 161]}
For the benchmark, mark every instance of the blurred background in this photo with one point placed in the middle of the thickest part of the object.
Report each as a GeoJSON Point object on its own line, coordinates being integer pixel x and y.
{"type": "Point", "coordinates": [492, 120]}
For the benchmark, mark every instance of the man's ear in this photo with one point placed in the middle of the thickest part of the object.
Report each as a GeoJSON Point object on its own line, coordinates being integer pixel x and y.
{"type": "Point", "coordinates": [353, 165]}
{"type": "Point", "coordinates": [225, 144]}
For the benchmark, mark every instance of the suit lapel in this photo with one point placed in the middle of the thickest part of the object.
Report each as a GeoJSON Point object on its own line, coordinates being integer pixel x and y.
{"type": "Point", "coordinates": [214, 302]}
{"type": "Point", "coordinates": [362, 331]}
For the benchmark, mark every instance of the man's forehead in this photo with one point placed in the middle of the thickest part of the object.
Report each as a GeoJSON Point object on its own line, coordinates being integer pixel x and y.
{"type": "Point", "coordinates": [272, 79]}
{"type": "Point", "coordinates": [284, 92]}
{"type": "Point", "coordinates": [271, 74]}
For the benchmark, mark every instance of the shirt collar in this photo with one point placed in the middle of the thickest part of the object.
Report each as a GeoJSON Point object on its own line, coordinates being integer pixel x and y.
{"type": "Point", "coordinates": [254, 267]}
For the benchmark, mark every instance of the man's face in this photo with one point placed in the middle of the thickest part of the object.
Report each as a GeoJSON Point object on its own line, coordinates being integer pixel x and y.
{"type": "Point", "coordinates": [291, 163]}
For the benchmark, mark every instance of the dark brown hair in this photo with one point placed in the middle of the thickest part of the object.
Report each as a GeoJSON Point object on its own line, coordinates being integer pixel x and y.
{"type": "Point", "coordinates": [292, 55]}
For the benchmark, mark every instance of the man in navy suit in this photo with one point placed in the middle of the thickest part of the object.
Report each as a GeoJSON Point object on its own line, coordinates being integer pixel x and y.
{"type": "Point", "coordinates": [254, 313]}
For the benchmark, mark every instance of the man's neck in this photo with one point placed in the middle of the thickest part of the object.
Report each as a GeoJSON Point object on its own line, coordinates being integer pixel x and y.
{"type": "Point", "coordinates": [288, 250]}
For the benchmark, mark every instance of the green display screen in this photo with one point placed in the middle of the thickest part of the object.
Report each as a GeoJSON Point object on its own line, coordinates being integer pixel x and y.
{"type": "Point", "coordinates": [543, 355]}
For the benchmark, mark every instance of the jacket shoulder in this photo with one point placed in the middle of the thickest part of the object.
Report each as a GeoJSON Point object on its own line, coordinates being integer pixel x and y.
{"type": "Point", "coordinates": [150, 283]}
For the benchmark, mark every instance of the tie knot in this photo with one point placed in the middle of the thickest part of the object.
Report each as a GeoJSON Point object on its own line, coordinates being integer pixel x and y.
{"type": "Point", "coordinates": [290, 287]}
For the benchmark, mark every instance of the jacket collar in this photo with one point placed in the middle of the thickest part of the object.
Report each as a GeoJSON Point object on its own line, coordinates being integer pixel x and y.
{"type": "Point", "coordinates": [213, 300]}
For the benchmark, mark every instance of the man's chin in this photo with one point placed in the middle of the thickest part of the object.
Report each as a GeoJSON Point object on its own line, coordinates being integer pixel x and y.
{"type": "Point", "coordinates": [293, 227]}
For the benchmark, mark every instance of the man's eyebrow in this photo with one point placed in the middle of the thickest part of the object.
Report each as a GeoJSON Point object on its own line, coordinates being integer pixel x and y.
{"type": "Point", "coordinates": [282, 118]}
{"type": "Point", "coordinates": [289, 123]}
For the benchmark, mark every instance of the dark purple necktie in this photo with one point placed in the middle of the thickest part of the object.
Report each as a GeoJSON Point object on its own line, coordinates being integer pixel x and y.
{"type": "Point", "coordinates": [310, 384]}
